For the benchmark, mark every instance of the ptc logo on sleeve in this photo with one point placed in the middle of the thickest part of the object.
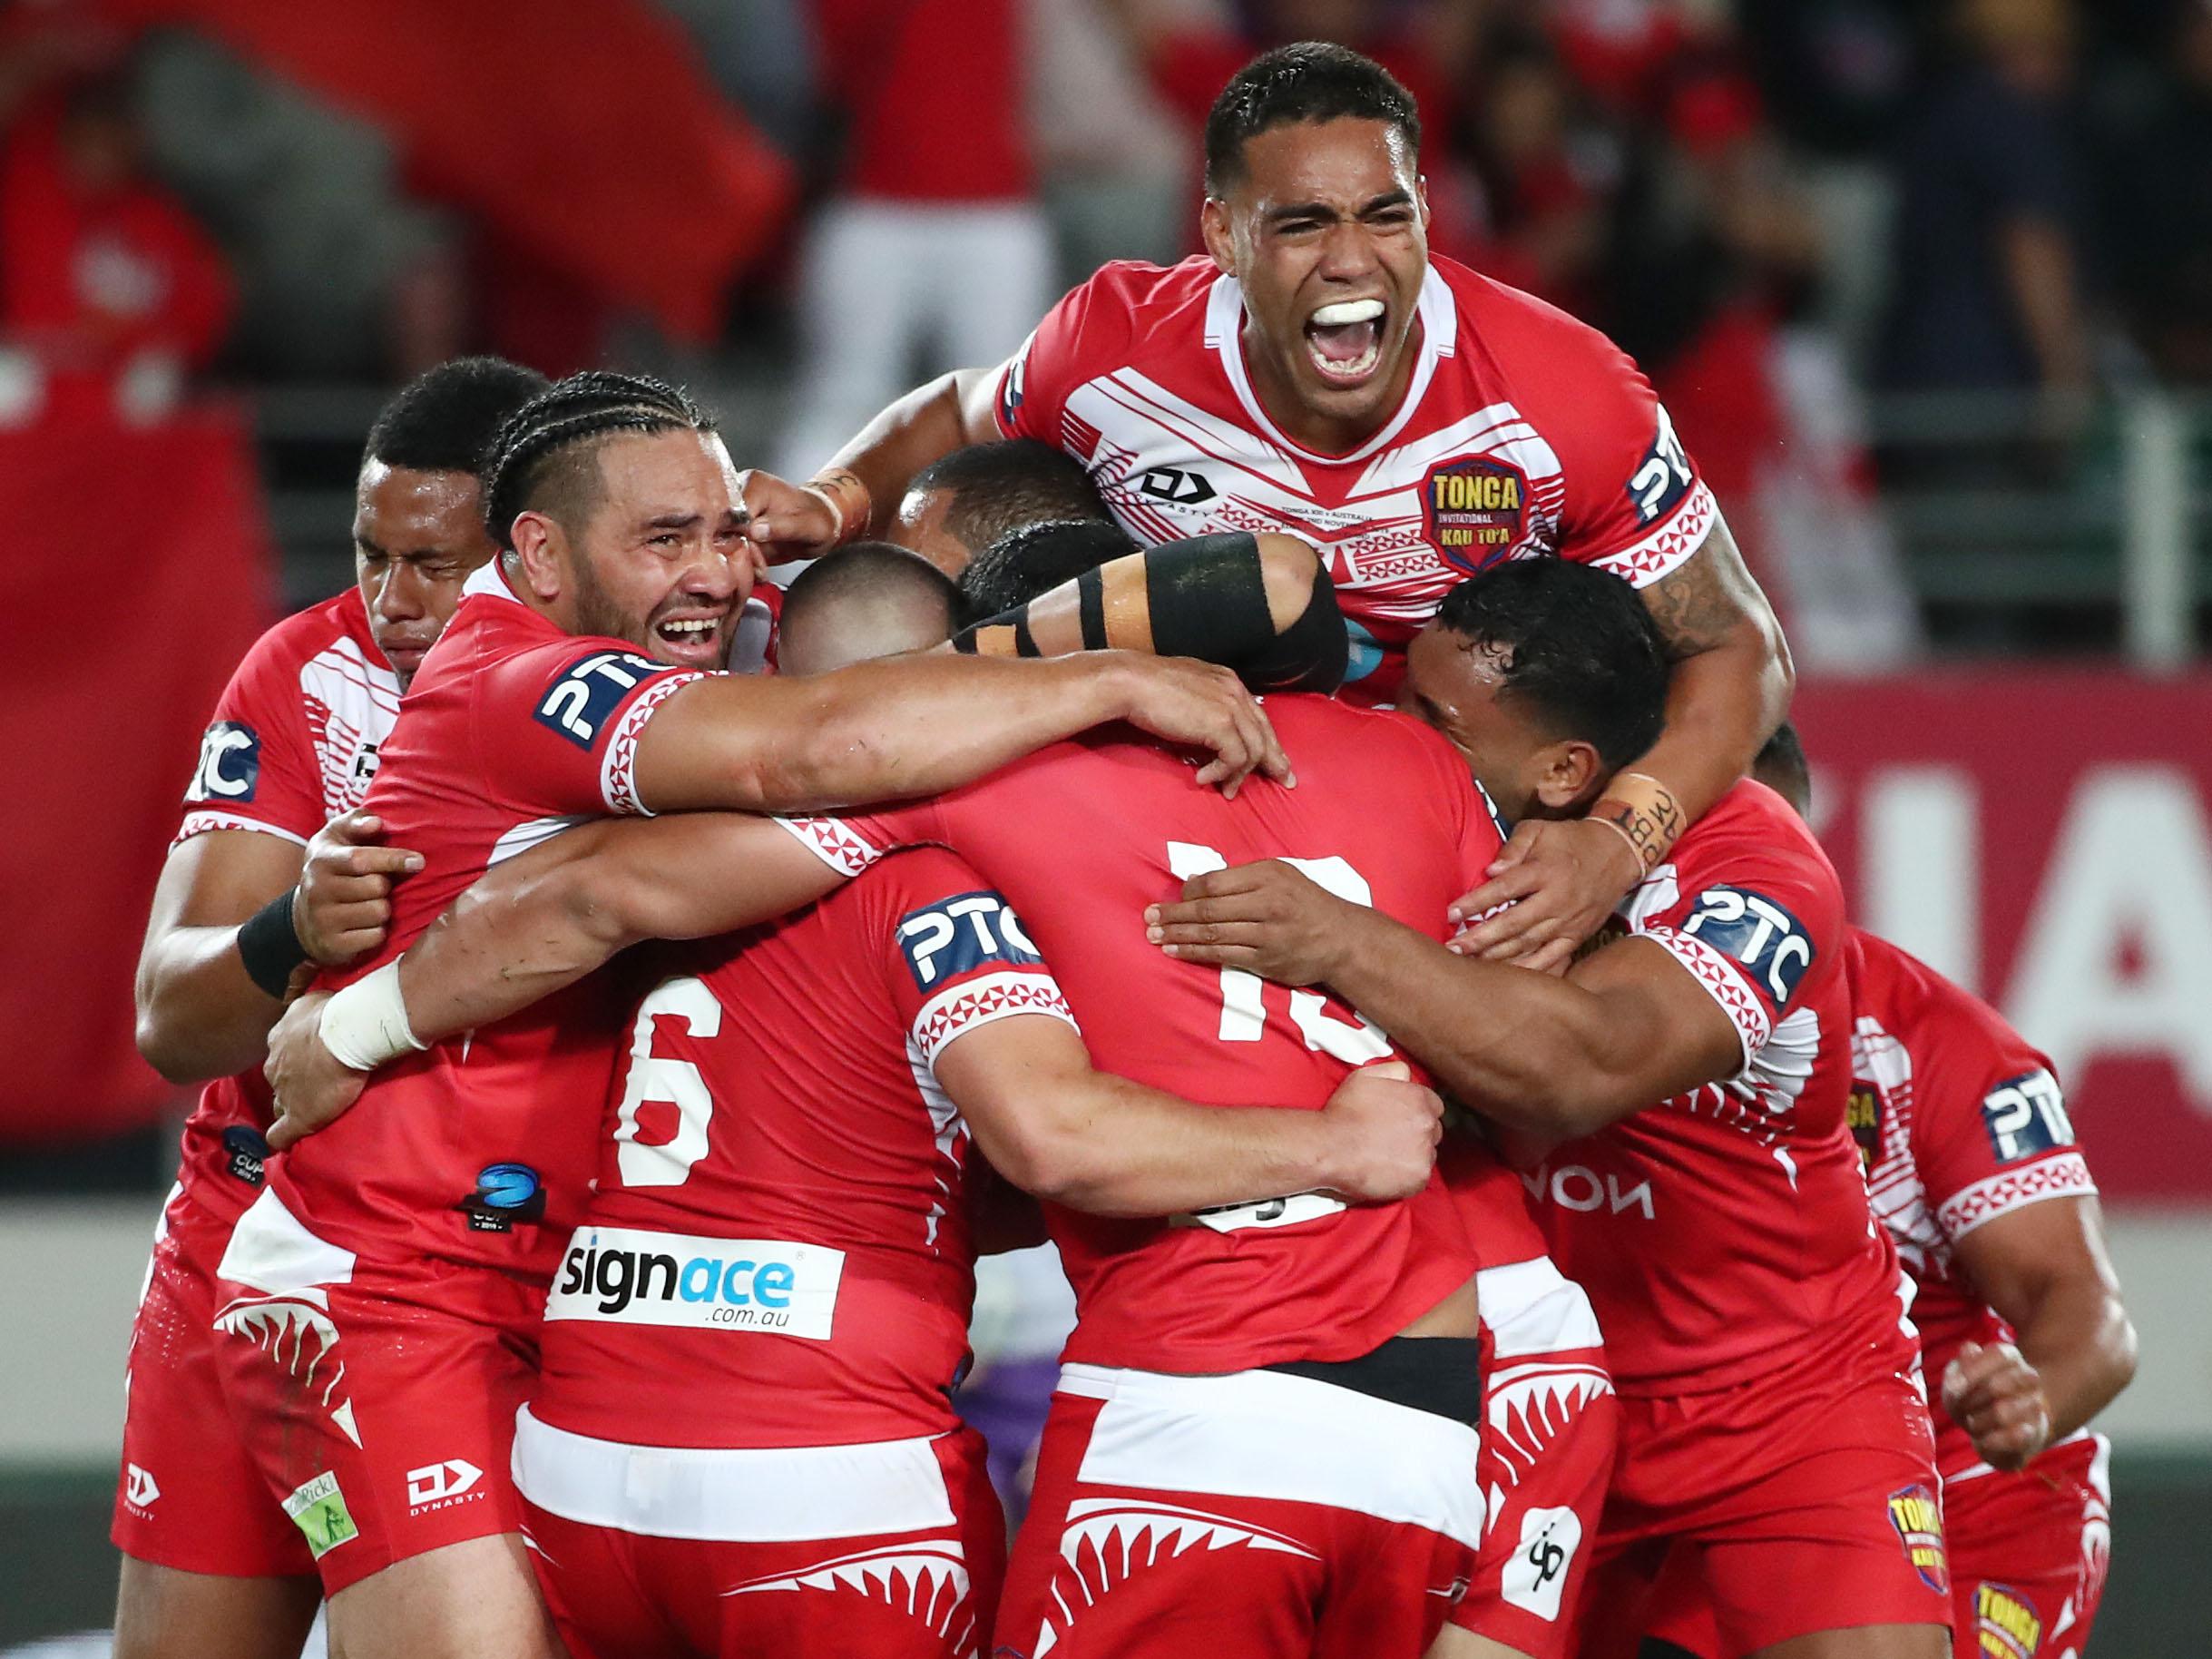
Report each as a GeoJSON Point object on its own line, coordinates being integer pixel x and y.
{"type": "Point", "coordinates": [1663, 477]}
{"type": "Point", "coordinates": [319, 1510]}
{"type": "Point", "coordinates": [1759, 935]}
{"type": "Point", "coordinates": [230, 763]}
{"type": "Point", "coordinates": [577, 704]}
{"type": "Point", "coordinates": [2025, 1115]}
{"type": "Point", "coordinates": [958, 935]}
{"type": "Point", "coordinates": [634, 1277]}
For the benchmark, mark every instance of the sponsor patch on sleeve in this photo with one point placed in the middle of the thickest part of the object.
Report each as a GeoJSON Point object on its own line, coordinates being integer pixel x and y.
{"type": "Point", "coordinates": [230, 763]}
{"type": "Point", "coordinates": [578, 702]}
{"type": "Point", "coordinates": [1759, 935]}
{"type": "Point", "coordinates": [957, 935]}
{"type": "Point", "coordinates": [1663, 477]}
{"type": "Point", "coordinates": [2025, 1115]}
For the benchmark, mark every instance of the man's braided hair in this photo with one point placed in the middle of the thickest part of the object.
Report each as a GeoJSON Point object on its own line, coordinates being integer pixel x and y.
{"type": "Point", "coordinates": [542, 457]}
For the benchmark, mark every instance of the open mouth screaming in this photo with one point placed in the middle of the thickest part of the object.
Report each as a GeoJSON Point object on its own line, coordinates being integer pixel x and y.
{"type": "Point", "coordinates": [693, 641]}
{"type": "Point", "coordinates": [1345, 339]}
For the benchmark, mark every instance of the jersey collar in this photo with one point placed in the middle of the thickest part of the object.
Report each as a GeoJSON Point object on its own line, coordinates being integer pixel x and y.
{"type": "Point", "coordinates": [1439, 317]}
{"type": "Point", "coordinates": [491, 582]}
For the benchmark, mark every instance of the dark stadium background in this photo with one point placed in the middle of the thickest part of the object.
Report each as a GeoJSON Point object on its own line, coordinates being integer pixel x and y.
{"type": "Point", "coordinates": [229, 227]}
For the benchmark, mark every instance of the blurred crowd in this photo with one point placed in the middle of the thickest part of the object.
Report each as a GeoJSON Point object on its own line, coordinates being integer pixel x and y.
{"type": "Point", "coordinates": [1774, 204]}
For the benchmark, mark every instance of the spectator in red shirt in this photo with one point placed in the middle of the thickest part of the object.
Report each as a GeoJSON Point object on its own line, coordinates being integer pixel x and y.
{"type": "Point", "coordinates": [105, 282]}
{"type": "Point", "coordinates": [934, 241]}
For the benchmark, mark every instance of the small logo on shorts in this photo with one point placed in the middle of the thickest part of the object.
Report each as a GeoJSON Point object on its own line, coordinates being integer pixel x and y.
{"type": "Point", "coordinates": [1919, 1521]}
{"type": "Point", "coordinates": [505, 1193]}
{"type": "Point", "coordinates": [440, 1486]}
{"type": "Point", "coordinates": [244, 1152]}
{"type": "Point", "coordinates": [2006, 1624]}
{"type": "Point", "coordinates": [319, 1510]}
{"type": "Point", "coordinates": [139, 1490]}
{"type": "Point", "coordinates": [1535, 1578]}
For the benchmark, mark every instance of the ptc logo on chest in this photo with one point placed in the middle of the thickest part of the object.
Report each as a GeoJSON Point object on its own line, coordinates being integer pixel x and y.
{"type": "Point", "coordinates": [1477, 511]}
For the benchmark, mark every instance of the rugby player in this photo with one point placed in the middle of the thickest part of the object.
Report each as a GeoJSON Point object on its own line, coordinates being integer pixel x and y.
{"type": "Point", "coordinates": [959, 504]}
{"type": "Point", "coordinates": [1242, 1458]}
{"type": "Point", "coordinates": [761, 1457]}
{"type": "Point", "coordinates": [1774, 1432]}
{"type": "Point", "coordinates": [265, 876]}
{"type": "Point", "coordinates": [383, 1291]}
{"type": "Point", "coordinates": [1975, 1171]}
{"type": "Point", "coordinates": [1316, 373]}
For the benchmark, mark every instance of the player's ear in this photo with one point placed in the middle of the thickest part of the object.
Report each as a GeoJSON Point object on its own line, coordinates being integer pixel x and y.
{"type": "Point", "coordinates": [1568, 774]}
{"type": "Point", "coordinates": [540, 551]}
{"type": "Point", "coordinates": [1421, 198]}
{"type": "Point", "coordinates": [1214, 231]}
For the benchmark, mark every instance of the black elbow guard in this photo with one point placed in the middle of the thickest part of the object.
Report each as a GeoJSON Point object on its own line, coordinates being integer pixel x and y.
{"type": "Point", "coordinates": [1207, 597]}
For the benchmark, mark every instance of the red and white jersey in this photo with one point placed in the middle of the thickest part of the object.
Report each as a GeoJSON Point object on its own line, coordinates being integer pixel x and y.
{"type": "Point", "coordinates": [1726, 1232]}
{"type": "Point", "coordinates": [1960, 1122]}
{"type": "Point", "coordinates": [778, 1252]}
{"type": "Point", "coordinates": [1522, 432]}
{"type": "Point", "coordinates": [1081, 837]}
{"type": "Point", "coordinates": [293, 743]}
{"type": "Point", "coordinates": [481, 1149]}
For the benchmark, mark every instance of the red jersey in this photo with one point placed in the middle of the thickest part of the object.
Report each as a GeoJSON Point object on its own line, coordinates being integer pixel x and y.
{"type": "Point", "coordinates": [1726, 1232]}
{"type": "Point", "coordinates": [779, 1251]}
{"type": "Point", "coordinates": [293, 744]}
{"type": "Point", "coordinates": [1081, 837]}
{"type": "Point", "coordinates": [480, 1149]}
{"type": "Point", "coordinates": [1960, 1120]}
{"type": "Point", "coordinates": [1522, 432]}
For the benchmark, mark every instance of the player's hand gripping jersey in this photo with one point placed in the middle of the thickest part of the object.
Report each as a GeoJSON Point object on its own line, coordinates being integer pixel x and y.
{"type": "Point", "coordinates": [1724, 1232]}
{"type": "Point", "coordinates": [776, 1118]}
{"type": "Point", "coordinates": [293, 744]}
{"type": "Point", "coordinates": [1522, 432]}
{"type": "Point", "coordinates": [480, 1150]}
{"type": "Point", "coordinates": [1081, 837]}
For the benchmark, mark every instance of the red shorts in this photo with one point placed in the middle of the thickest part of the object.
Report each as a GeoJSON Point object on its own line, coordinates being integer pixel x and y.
{"type": "Point", "coordinates": [1550, 1422]}
{"type": "Point", "coordinates": [1239, 1516]}
{"type": "Point", "coordinates": [191, 1497]}
{"type": "Point", "coordinates": [2027, 1552]}
{"type": "Point", "coordinates": [1805, 1500]}
{"type": "Point", "coordinates": [378, 1406]}
{"type": "Point", "coordinates": [2028, 1556]}
{"type": "Point", "coordinates": [891, 1548]}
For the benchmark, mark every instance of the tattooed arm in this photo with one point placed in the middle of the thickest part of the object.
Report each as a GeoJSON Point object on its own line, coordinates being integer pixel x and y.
{"type": "Point", "coordinates": [1730, 689]}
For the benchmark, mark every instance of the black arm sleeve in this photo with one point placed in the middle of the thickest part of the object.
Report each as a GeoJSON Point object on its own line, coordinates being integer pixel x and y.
{"type": "Point", "coordinates": [1207, 597]}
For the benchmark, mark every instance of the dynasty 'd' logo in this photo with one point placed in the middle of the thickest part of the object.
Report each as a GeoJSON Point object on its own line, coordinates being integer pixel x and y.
{"type": "Point", "coordinates": [1476, 511]}
{"type": "Point", "coordinates": [1919, 1521]}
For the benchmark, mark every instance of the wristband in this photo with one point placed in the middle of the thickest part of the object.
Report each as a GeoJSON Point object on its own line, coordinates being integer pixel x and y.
{"type": "Point", "coordinates": [1646, 813]}
{"type": "Point", "coordinates": [848, 500]}
{"type": "Point", "coordinates": [268, 945]}
{"type": "Point", "coordinates": [366, 1023]}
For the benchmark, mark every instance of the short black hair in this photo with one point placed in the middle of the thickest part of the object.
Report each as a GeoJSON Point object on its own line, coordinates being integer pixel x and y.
{"type": "Point", "coordinates": [1573, 643]}
{"type": "Point", "coordinates": [999, 487]}
{"type": "Point", "coordinates": [1782, 767]}
{"type": "Point", "coordinates": [444, 419]}
{"type": "Point", "coordinates": [544, 457]}
{"type": "Point", "coordinates": [1311, 80]}
{"type": "Point", "coordinates": [866, 571]}
{"type": "Point", "coordinates": [1033, 561]}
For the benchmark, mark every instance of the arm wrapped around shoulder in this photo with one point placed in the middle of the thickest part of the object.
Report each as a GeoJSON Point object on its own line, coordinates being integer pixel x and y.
{"type": "Point", "coordinates": [1263, 605]}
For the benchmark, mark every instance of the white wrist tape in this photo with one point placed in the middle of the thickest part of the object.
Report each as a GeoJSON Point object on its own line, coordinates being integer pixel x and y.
{"type": "Point", "coordinates": [366, 1023]}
